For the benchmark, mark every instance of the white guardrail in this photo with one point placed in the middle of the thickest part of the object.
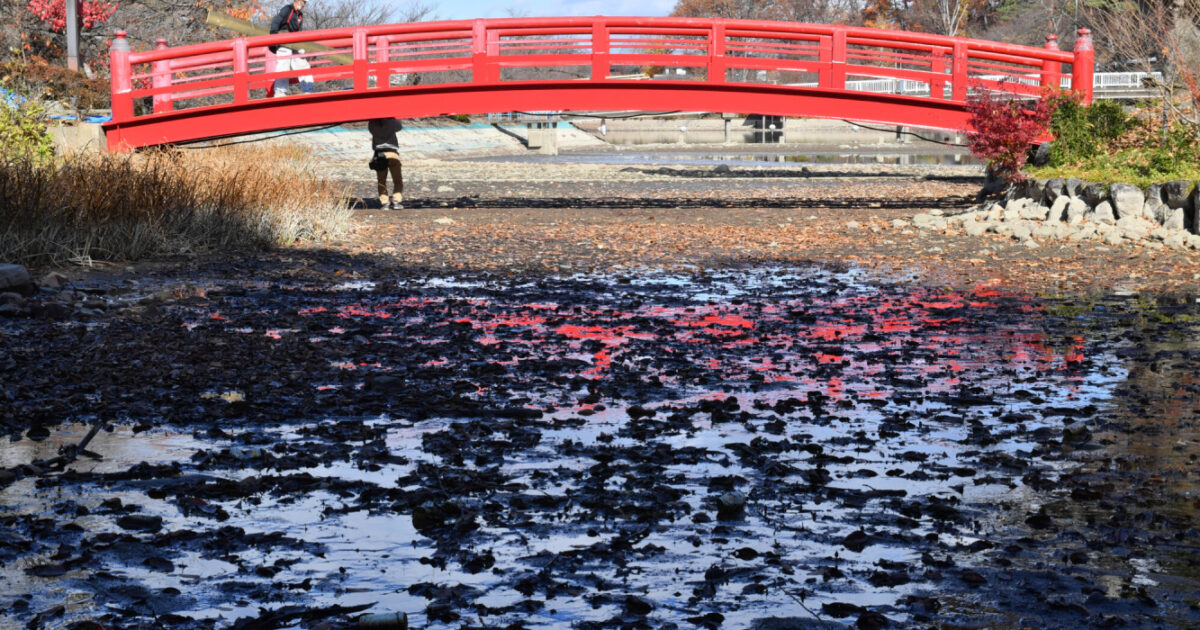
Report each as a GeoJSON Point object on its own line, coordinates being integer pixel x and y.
{"type": "Point", "coordinates": [1112, 84]}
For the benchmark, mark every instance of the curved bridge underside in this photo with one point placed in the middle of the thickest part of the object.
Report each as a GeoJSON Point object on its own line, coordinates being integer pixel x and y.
{"type": "Point", "coordinates": [338, 107]}
{"type": "Point", "coordinates": [206, 91]}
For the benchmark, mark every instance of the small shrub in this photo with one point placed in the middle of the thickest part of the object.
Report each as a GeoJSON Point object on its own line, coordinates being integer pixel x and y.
{"type": "Point", "coordinates": [23, 128]}
{"type": "Point", "coordinates": [1003, 129]}
{"type": "Point", "coordinates": [1081, 132]}
{"type": "Point", "coordinates": [462, 118]}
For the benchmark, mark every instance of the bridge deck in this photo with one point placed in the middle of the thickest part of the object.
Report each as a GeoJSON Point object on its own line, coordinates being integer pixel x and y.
{"type": "Point", "coordinates": [188, 93]}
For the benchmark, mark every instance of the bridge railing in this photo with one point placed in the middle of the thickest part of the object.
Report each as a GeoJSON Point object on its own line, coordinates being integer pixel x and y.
{"type": "Point", "coordinates": [241, 71]}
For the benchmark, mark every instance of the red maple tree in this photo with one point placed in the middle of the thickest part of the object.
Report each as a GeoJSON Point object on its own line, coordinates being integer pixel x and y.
{"type": "Point", "coordinates": [1004, 128]}
{"type": "Point", "coordinates": [54, 12]}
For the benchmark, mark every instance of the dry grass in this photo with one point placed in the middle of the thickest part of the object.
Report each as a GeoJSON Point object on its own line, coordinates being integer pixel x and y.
{"type": "Point", "coordinates": [126, 207]}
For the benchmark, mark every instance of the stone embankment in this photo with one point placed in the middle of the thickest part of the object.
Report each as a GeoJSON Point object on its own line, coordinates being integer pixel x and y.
{"type": "Point", "coordinates": [1163, 215]}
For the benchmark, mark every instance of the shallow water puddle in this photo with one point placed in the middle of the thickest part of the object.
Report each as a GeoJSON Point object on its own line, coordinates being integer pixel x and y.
{"type": "Point", "coordinates": [651, 450]}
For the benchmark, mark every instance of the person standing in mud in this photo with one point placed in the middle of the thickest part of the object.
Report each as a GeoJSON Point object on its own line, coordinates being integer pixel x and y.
{"type": "Point", "coordinates": [387, 158]}
{"type": "Point", "coordinates": [289, 19]}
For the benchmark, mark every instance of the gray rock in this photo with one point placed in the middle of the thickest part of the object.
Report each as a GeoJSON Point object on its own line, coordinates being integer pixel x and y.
{"type": "Point", "coordinates": [1174, 220]}
{"type": "Point", "coordinates": [1054, 188]}
{"type": "Point", "coordinates": [900, 224]}
{"type": "Point", "coordinates": [12, 298]}
{"type": "Point", "coordinates": [1177, 240]}
{"type": "Point", "coordinates": [15, 278]}
{"type": "Point", "coordinates": [731, 506]}
{"type": "Point", "coordinates": [1076, 433]}
{"type": "Point", "coordinates": [1154, 191]}
{"type": "Point", "coordinates": [1077, 211]}
{"type": "Point", "coordinates": [1160, 234]}
{"type": "Point", "coordinates": [1177, 194]}
{"type": "Point", "coordinates": [53, 280]}
{"type": "Point", "coordinates": [975, 228]}
{"type": "Point", "coordinates": [853, 225]}
{"type": "Point", "coordinates": [1113, 237]}
{"type": "Point", "coordinates": [1043, 231]}
{"type": "Point", "coordinates": [1095, 193]}
{"type": "Point", "coordinates": [1128, 200]}
{"type": "Point", "coordinates": [1074, 187]}
{"type": "Point", "coordinates": [1058, 209]}
{"type": "Point", "coordinates": [1104, 213]}
{"type": "Point", "coordinates": [445, 189]}
{"type": "Point", "coordinates": [1194, 228]}
{"type": "Point", "coordinates": [1021, 232]}
{"type": "Point", "coordinates": [1033, 212]}
{"type": "Point", "coordinates": [1155, 210]}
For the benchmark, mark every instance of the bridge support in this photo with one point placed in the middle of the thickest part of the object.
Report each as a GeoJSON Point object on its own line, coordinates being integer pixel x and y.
{"type": "Point", "coordinates": [543, 137]}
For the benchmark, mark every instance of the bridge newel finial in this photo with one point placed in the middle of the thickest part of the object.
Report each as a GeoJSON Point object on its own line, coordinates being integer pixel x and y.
{"type": "Point", "coordinates": [160, 43]}
{"type": "Point", "coordinates": [120, 43]}
{"type": "Point", "coordinates": [1052, 42]}
{"type": "Point", "coordinates": [1083, 41]}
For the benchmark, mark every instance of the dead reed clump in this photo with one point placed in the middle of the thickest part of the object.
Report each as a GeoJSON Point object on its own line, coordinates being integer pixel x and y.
{"type": "Point", "coordinates": [125, 207]}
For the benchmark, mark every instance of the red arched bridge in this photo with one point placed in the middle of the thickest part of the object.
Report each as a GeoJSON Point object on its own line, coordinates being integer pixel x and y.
{"type": "Point", "coordinates": [211, 90]}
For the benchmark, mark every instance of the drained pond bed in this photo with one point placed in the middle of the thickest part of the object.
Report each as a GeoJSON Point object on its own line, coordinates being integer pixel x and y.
{"type": "Point", "coordinates": [755, 447]}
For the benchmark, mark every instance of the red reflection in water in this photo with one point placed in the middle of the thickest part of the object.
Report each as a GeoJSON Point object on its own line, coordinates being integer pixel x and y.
{"type": "Point", "coordinates": [922, 327]}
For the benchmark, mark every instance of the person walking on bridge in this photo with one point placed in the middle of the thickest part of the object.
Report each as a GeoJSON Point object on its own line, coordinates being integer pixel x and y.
{"type": "Point", "coordinates": [387, 158]}
{"type": "Point", "coordinates": [289, 19]}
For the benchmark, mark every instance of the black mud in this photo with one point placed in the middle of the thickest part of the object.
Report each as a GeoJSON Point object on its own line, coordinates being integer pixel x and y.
{"type": "Point", "coordinates": [759, 447]}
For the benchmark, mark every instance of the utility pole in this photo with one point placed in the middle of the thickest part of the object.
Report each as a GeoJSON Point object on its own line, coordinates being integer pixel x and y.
{"type": "Point", "coordinates": [73, 34]}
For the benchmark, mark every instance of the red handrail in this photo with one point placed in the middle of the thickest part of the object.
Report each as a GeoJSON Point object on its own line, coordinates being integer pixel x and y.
{"type": "Point", "coordinates": [714, 52]}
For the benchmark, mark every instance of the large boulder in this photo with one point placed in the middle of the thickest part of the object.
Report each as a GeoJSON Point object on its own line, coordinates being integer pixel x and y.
{"type": "Point", "coordinates": [1194, 224]}
{"type": "Point", "coordinates": [1104, 213]}
{"type": "Point", "coordinates": [1177, 194]}
{"type": "Point", "coordinates": [1174, 220]}
{"type": "Point", "coordinates": [1128, 200]}
{"type": "Point", "coordinates": [1058, 209]}
{"type": "Point", "coordinates": [1095, 193]}
{"type": "Point", "coordinates": [1077, 211]}
{"type": "Point", "coordinates": [1155, 210]}
{"type": "Point", "coordinates": [1074, 187]}
{"type": "Point", "coordinates": [16, 279]}
{"type": "Point", "coordinates": [1055, 188]}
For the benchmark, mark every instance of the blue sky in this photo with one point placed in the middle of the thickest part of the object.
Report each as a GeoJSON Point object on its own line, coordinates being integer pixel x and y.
{"type": "Point", "coordinates": [465, 9]}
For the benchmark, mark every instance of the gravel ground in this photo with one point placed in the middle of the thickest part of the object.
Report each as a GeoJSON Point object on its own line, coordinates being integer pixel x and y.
{"type": "Point", "coordinates": [505, 215]}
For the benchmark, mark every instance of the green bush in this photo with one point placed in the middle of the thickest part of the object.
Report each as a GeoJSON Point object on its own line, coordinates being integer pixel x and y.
{"type": "Point", "coordinates": [1080, 132]}
{"type": "Point", "coordinates": [23, 128]}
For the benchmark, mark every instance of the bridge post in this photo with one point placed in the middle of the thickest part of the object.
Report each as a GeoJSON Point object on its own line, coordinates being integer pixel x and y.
{"type": "Point", "coordinates": [483, 43]}
{"type": "Point", "coordinates": [1083, 66]}
{"type": "Point", "coordinates": [837, 61]}
{"type": "Point", "coordinates": [601, 49]}
{"type": "Point", "coordinates": [1051, 70]}
{"type": "Point", "coordinates": [959, 85]}
{"type": "Point", "coordinates": [162, 78]}
{"type": "Point", "coordinates": [241, 71]}
{"type": "Point", "coordinates": [360, 59]}
{"type": "Point", "coordinates": [122, 78]}
{"type": "Point", "coordinates": [937, 65]}
{"type": "Point", "coordinates": [716, 53]}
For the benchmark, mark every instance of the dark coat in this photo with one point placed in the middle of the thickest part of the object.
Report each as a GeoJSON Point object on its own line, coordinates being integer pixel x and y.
{"type": "Point", "coordinates": [289, 19]}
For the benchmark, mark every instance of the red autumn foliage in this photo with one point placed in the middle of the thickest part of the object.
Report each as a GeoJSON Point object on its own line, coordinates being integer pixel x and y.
{"type": "Point", "coordinates": [91, 14]}
{"type": "Point", "coordinates": [1004, 128]}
